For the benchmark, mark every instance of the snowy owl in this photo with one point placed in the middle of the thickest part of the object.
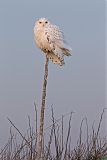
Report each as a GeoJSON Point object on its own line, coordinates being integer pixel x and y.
{"type": "Point", "coordinates": [50, 40]}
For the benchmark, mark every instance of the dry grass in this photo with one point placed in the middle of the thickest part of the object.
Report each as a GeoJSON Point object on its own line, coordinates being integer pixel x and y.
{"type": "Point", "coordinates": [58, 146]}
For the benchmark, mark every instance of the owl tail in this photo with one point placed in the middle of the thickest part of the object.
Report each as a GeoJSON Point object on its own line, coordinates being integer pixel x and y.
{"type": "Point", "coordinates": [67, 51]}
{"type": "Point", "coordinates": [55, 59]}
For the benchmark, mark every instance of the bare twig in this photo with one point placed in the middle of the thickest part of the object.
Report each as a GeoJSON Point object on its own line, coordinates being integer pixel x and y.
{"type": "Point", "coordinates": [18, 131]}
{"type": "Point", "coordinates": [69, 128]}
{"type": "Point", "coordinates": [36, 119]}
{"type": "Point", "coordinates": [54, 130]}
{"type": "Point", "coordinates": [100, 122]}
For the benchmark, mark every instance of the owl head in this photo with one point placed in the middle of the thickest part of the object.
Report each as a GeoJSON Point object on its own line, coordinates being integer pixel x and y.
{"type": "Point", "coordinates": [42, 22]}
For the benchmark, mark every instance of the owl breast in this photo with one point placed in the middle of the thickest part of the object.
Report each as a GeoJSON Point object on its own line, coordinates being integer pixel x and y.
{"type": "Point", "coordinates": [42, 41]}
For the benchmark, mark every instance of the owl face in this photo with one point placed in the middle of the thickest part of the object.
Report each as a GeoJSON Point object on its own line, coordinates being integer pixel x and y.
{"type": "Point", "coordinates": [42, 22]}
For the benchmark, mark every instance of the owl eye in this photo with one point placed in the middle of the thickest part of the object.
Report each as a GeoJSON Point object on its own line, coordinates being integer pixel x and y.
{"type": "Point", "coordinates": [46, 21]}
{"type": "Point", "coordinates": [40, 22]}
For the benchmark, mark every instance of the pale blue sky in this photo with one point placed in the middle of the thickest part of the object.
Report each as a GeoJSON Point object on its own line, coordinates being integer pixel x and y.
{"type": "Point", "coordinates": [78, 86]}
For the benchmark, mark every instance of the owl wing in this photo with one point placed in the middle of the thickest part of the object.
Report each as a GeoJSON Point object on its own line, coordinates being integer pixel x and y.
{"type": "Point", "coordinates": [55, 53]}
{"type": "Point", "coordinates": [54, 33]}
{"type": "Point", "coordinates": [56, 40]}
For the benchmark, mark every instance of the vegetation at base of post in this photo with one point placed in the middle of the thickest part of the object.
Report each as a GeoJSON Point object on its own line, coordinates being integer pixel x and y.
{"type": "Point", "coordinates": [58, 146]}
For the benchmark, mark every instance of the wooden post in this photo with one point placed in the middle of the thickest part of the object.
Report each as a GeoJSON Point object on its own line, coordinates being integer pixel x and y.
{"type": "Point", "coordinates": [41, 129]}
